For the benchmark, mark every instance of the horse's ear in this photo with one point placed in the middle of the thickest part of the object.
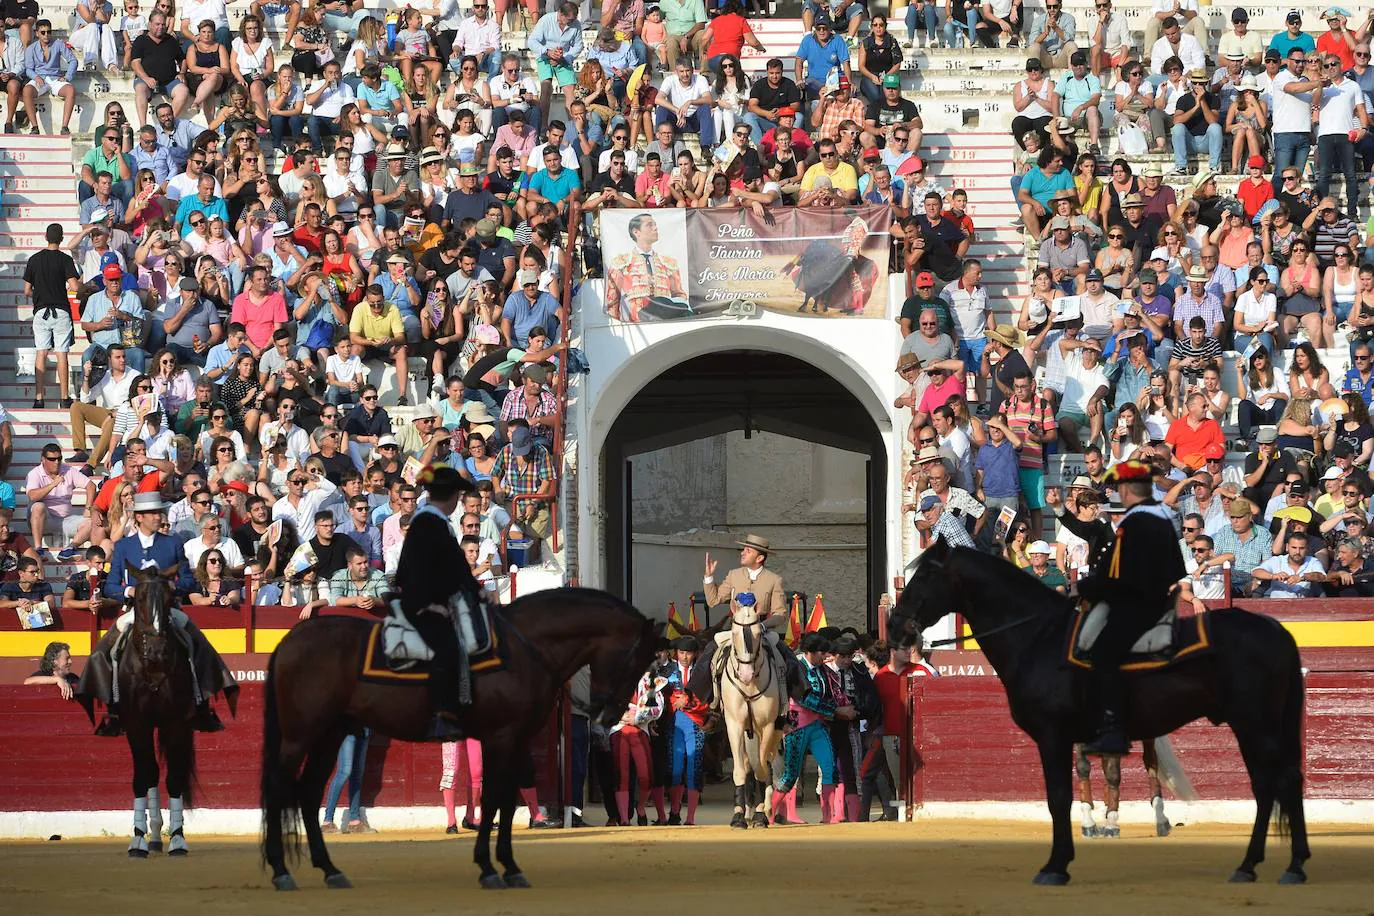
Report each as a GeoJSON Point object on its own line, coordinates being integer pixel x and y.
{"type": "Point", "coordinates": [938, 552]}
{"type": "Point", "coordinates": [169, 573]}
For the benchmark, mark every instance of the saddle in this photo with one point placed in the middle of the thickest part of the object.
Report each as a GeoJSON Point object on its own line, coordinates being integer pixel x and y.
{"type": "Point", "coordinates": [1170, 640]}
{"type": "Point", "coordinates": [397, 651]}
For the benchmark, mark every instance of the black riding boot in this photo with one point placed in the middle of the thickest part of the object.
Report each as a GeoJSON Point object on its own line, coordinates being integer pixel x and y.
{"type": "Point", "coordinates": [443, 676]}
{"type": "Point", "coordinates": [206, 720]}
{"type": "Point", "coordinates": [110, 726]}
{"type": "Point", "coordinates": [1108, 652]}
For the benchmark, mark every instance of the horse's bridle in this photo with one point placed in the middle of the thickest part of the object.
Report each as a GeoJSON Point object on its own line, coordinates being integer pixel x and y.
{"type": "Point", "coordinates": [751, 660]}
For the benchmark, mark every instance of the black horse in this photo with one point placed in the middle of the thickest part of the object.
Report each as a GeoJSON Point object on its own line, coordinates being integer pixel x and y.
{"type": "Point", "coordinates": [1252, 681]}
{"type": "Point", "coordinates": [315, 695]}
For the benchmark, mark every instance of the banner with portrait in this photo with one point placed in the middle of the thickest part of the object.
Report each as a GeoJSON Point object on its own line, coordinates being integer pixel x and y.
{"type": "Point", "coordinates": [669, 264]}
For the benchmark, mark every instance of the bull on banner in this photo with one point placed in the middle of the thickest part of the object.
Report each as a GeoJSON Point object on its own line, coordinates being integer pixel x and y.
{"type": "Point", "coordinates": [673, 264]}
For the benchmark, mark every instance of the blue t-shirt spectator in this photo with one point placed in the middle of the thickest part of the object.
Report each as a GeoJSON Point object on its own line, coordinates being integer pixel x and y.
{"type": "Point", "coordinates": [11, 591]}
{"type": "Point", "coordinates": [1283, 43]}
{"type": "Point", "coordinates": [395, 293]}
{"type": "Point", "coordinates": [1042, 187]}
{"type": "Point", "coordinates": [555, 188]}
{"type": "Point", "coordinates": [1001, 469]}
{"type": "Point", "coordinates": [1356, 385]}
{"type": "Point", "coordinates": [525, 315]}
{"type": "Point", "coordinates": [820, 59]}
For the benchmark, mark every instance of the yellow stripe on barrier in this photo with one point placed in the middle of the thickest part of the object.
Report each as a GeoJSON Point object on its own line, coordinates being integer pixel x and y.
{"type": "Point", "coordinates": [228, 641]}
{"type": "Point", "coordinates": [1332, 634]}
{"type": "Point", "coordinates": [266, 640]}
{"type": "Point", "coordinates": [32, 643]}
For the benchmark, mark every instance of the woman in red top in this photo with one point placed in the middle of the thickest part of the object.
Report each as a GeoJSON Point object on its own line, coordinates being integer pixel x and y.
{"type": "Point", "coordinates": [728, 33]}
{"type": "Point", "coordinates": [342, 269]}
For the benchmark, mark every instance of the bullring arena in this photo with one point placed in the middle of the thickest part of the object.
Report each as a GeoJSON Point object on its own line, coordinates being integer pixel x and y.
{"type": "Point", "coordinates": [689, 420]}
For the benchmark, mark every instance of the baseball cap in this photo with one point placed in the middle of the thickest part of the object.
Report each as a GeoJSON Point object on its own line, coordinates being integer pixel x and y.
{"type": "Point", "coordinates": [1094, 274]}
{"type": "Point", "coordinates": [787, 111]}
{"type": "Point", "coordinates": [486, 228]}
{"type": "Point", "coordinates": [1240, 508]}
{"type": "Point", "coordinates": [1293, 16]}
{"type": "Point", "coordinates": [1033, 63]}
{"type": "Point", "coordinates": [1240, 15]}
{"type": "Point", "coordinates": [188, 283]}
{"type": "Point", "coordinates": [891, 81]}
{"type": "Point", "coordinates": [1152, 171]}
{"type": "Point", "coordinates": [1078, 59]}
{"type": "Point", "coordinates": [929, 501]}
{"type": "Point", "coordinates": [872, 154]}
{"type": "Point", "coordinates": [1255, 162]}
{"type": "Point", "coordinates": [1060, 222]}
{"type": "Point", "coordinates": [1148, 275]}
{"type": "Point", "coordinates": [1297, 488]}
{"type": "Point", "coordinates": [1273, 54]}
{"type": "Point", "coordinates": [112, 272]}
{"type": "Point", "coordinates": [1214, 452]}
{"type": "Point", "coordinates": [925, 279]}
{"type": "Point", "coordinates": [529, 278]}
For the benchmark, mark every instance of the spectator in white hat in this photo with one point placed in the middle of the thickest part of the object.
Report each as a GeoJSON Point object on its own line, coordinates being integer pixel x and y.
{"type": "Point", "coordinates": [1041, 567]}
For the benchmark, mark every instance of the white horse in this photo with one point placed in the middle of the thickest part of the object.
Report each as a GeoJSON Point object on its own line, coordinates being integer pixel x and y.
{"type": "Point", "coordinates": [753, 693]}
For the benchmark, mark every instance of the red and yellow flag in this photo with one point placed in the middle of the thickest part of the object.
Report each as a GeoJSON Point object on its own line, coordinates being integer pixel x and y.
{"type": "Point", "coordinates": [794, 621]}
{"type": "Point", "coordinates": [816, 619]}
{"type": "Point", "coordinates": [675, 625]}
{"type": "Point", "coordinates": [693, 624]}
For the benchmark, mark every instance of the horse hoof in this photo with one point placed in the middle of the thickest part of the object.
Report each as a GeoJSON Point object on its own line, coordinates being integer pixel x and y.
{"type": "Point", "coordinates": [284, 882]}
{"type": "Point", "coordinates": [760, 819]}
{"type": "Point", "coordinates": [1163, 828]}
{"type": "Point", "coordinates": [1090, 832]}
{"type": "Point", "coordinates": [138, 853]}
{"type": "Point", "coordinates": [1293, 876]}
{"type": "Point", "coordinates": [338, 881]}
{"type": "Point", "coordinates": [738, 822]}
{"type": "Point", "coordinates": [179, 853]}
{"type": "Point", "coordinates": [1242, 876]}
{"type": "Point", "coordinates": [155, 846]}
{"type": "Point", "coordinates": [1110, 832]}
{"type": "Point", "coordinates": [1051, 879]}
{"type": "Point", "coordinates": [516, 879]}
{"type": "Point", "coordinates": [492, 882]}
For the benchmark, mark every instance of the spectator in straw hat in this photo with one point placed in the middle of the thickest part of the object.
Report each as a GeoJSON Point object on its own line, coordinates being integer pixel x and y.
{"type": "Point", "coordinates": [1002, 360]}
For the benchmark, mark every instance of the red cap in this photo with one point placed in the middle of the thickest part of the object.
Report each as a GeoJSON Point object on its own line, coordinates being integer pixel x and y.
{"type": "Point", "coordinates": [238, 485]}
{"type": "Point", "coordinates": [925, 278]}
{"type": "Point", "coordinates": [1255, 162]}
{"type": "Point", "coordinates": [788, 111]}
{"type": "Point", "coordinates": [843, 83]}
{"type": "Point", "coordinates": [112, 272]}
{"type": "Point", "coordinates": [872, 154]}
{"type": "Point", "coordinates": [917, 163]}
{"type": "Point", "coordinates": [1214, 452]}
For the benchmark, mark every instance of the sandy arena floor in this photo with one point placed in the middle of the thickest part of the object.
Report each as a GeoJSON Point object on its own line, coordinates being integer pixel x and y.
{"type": "Point", "coordinates": [940, 867]}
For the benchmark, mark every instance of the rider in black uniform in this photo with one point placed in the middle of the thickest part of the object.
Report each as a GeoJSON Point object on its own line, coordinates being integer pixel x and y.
{"type": "Point", "coordinates": [1136, 574]}
{"type": "Point", "coordinates": [431, 569]}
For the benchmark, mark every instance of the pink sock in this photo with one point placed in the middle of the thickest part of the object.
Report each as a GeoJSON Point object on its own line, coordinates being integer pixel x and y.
{"type": "Point", "coordinates": [622, 806]}
{"type": "Point", "coordinates": [693, 796]}
{"type": "Point", "coordinates": [450, 802]}
{"type": "Point", "coordinates": [657, 796]}
{"type": "Point", "coordinates": [851, 808]}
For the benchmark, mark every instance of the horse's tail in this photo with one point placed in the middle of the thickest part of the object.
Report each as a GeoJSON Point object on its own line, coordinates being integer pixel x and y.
{"type": "Point", "coordinates": [1290, 778]}
{"type": "Point", "coordinates": [279, 802]}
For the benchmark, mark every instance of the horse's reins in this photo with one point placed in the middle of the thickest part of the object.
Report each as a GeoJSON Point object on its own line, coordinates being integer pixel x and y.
{"type": "Point", "coordinates": [986, 633]}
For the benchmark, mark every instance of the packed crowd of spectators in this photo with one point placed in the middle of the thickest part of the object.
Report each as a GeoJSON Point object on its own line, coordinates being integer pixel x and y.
{"type": "Point", "coordinates": [1140, 291]}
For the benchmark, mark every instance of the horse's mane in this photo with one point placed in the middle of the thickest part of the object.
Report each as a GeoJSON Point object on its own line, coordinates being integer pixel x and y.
{"type": "Point", "coordinates": [996, 569]}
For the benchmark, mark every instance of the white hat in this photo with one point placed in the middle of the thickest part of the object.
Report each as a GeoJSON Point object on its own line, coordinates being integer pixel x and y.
{"type": "Point", "coordinates": [1039, 547]}
{"type": "Point", "coordinates": [1332, 473]}
{"type": "Point", "coordinates": [148, 502]}
{"type": "Point", "coordinates": [386, 440]}
{"type": "Point", "coordinates": [280, 229]}
{"type": "Point", "coordinates": [423, 412]}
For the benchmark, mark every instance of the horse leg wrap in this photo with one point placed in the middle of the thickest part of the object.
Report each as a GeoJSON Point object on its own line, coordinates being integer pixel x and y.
{"type": "Point", "coordinates": [175, 814]}
{"type": "Point", "coordinates": [154, 817]}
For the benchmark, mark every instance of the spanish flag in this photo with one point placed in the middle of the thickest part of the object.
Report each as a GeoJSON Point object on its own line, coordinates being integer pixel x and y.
{"type": "Point", "coordinates": [816, 620]}
{"type": "Point", "coordinates": [693, 624]}
{"type": "Point", "coordinates": [675, 626]}
{"type": "Point", "coordinates": [794, 621]}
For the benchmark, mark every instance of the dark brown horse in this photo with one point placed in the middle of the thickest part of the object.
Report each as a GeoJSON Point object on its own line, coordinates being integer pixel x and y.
{"type": "Point", "coordinates": [314, 697]}
{"type": "Point", "coordinates": [158, 705]}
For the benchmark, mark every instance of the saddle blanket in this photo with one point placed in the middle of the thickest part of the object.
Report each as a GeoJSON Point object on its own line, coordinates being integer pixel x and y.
{"type": "Point", "coordinates": [397, 651]}
{"type": "Point", "coordinates": [1171, 640]}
